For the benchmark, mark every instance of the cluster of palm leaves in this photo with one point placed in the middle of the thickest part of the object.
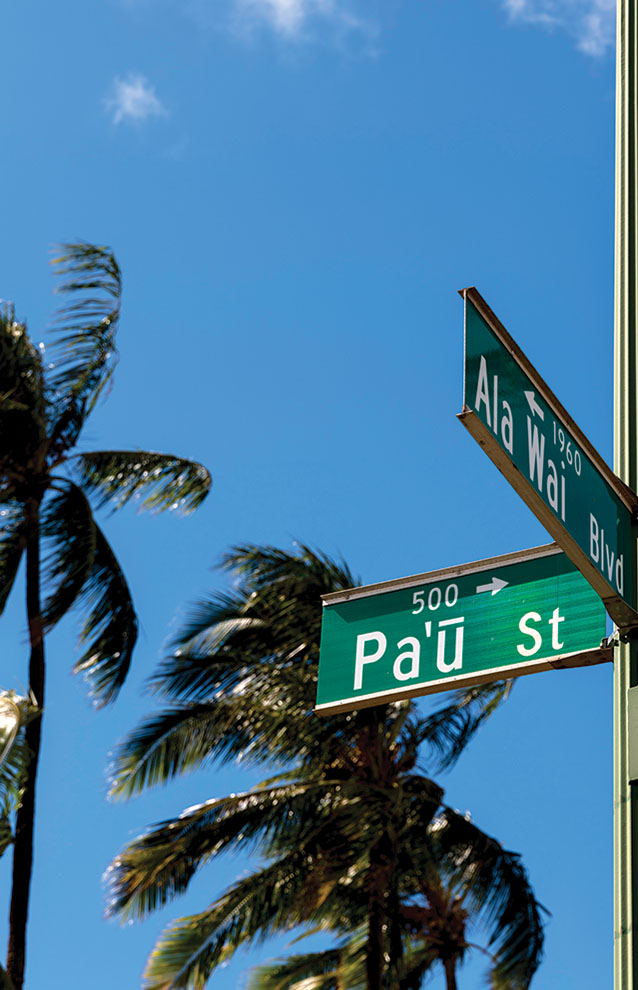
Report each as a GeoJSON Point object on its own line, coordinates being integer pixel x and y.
{"type": "Point", "coordinates": [47, 489]}
{"type": "Point", "coordinates": [353, 838]}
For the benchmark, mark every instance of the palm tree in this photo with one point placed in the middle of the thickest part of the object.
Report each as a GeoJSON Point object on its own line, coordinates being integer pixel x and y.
{"type": "Point", "coordinates": [461, 877]}
{"type": "Point", "coordinates": [45, 491]}
{"type": "Point", "coordinates": [348, 834]}
{"type": "Point", "coordinates": [389, 866]}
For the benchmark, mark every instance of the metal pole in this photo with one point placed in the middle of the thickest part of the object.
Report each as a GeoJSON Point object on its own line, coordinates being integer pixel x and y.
{"type": "Point", "coordinates": [626, 466]}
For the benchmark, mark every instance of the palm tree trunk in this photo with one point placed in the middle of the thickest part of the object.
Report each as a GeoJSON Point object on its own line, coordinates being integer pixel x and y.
{"type": "Point", "coordinates": [450, 974]}
{"type": "Point", "coordinates": [23, 845]}
{"type": "Point", "coordinates": [395, 942]}
{"type": "Point", "coordinates": [374, 947]}
{"type": "Point", "coordinates": [377, 912]}
{"type": "Point", "coordinates": [374, 755]}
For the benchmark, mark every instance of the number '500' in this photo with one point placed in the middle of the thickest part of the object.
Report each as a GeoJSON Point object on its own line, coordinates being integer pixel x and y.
{"type": "Point", "coordinates": [434, 599]}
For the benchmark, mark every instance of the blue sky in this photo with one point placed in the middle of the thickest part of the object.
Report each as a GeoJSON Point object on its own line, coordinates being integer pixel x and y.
{"type": "Point", "coordinates": [295, 190]}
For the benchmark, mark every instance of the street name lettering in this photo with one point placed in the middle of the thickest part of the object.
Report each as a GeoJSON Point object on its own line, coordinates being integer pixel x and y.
{"type": "Point", "coordinates": [411, 646]}
{"type": "Point", "coordinates": [497, 618]}
{"type": "Point", "coordinates": [523, 428]}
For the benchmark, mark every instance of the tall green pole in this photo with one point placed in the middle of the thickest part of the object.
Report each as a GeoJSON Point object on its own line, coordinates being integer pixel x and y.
{"type": "Point", "coordinates": [626, 466]}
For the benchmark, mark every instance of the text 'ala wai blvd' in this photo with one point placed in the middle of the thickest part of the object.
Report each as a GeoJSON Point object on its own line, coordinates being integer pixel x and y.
{"type": "Point", "coordinates": [524, 429]}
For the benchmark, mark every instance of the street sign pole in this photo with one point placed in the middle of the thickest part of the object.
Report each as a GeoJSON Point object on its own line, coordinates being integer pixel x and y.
{"type": "Point", "coordinates": [626, 467]}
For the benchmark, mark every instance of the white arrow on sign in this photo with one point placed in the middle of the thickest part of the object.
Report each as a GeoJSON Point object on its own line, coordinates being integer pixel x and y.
{"type": "Point", "coordinates": [495, 585]}
{"type": "Point", "coordinates": [534, 406]}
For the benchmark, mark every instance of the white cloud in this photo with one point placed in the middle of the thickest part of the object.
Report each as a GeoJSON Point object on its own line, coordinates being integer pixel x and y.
{"type": "Point", "coordinates": [599, 28]}
{"type": "Point", "coordinates": [134, 99]}
{"type": "Point", "coordinates": [286, 16]}
{"type": "Point", "coordinates": [590, 22]}
{"type": "Point", "coordinates": [294, 19]}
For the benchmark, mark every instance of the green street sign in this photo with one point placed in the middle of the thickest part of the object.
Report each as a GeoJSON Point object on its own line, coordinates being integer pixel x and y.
{"type": "Point", "coordinates": [479, 622]}
{"type": "Point", "coordinates": [523, 428]}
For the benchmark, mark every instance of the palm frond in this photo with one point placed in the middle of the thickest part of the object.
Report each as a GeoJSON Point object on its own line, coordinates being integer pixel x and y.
{"type": "Point", "coordinates": [12, 543]}
{"type": "Point", "coordinates": [342, 966]}
{"type": "Point", "coordinates": [421, 800]}
{"type": "Point", "coordinates": [178, 740]}
{"type": "Point", "coordinates": [170, 742]}
{"type": "Point", "coordinates": [214, 649]}
{"type": "Point", "coordinates": [449, 730]}
{"type": "Point", "coordinates": [494, 882]}
{"type": "Point", "coordinates": [417, 962]}
{"type": "Point", "coordinates": [6, 835]}
{"type": "Point", "coordinates": [160, 863]}
{"type": "Point", "coordinates": [167, 482]}
{"type": "Point", "coordinates": [262, 643]}
{"type": "Point", "coordinates": [111, 625]}
{"type": "Point", "coordinates": [244, 655]}
{"type": "Point", "coordinates": [22, 402]}
{"type": "Point", "coordinates": [273, 618]}
{"type": "Point", "coordinates": [198, 630]}
{"type": "Point", "coordinates": [270, 900]}
{"type": "Point", "coordinates": [84, 353]}
{"type": "Point", "coordinates": [70, 540]}
{"type": "Point", "coordinates": [266, 568]}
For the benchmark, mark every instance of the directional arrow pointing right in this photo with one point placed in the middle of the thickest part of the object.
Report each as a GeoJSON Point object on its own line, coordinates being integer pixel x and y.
{"type": "Point", "coordinates": [495, 585]}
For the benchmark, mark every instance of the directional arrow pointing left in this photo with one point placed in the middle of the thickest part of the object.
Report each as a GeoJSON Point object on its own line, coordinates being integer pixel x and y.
{"type": "Point", "coordinates": [495, 585]}
{"type": "Point", "coordinates": [533, 405]}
